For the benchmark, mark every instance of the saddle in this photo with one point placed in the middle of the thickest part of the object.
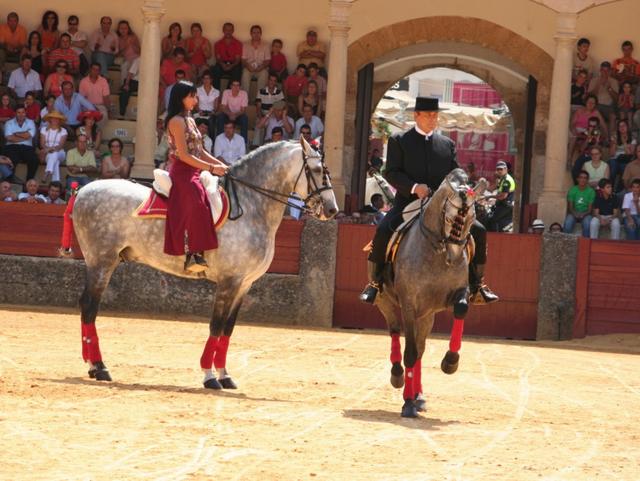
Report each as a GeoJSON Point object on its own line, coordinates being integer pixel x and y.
{"type": "Point", "coordinates": [155, 205]}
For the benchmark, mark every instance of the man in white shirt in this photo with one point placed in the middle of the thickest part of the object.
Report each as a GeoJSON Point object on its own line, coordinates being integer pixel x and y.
{"type": "Point", "coordinates": [79, 42]}
{"type": "Point", "coordinates": [229, 146]}
{"type": "Point", "coordinates": [104, 44]}
{"type": "Point", "coordinates": [313, 121]}
{"type": "Point", "coordinates": [24, 79]}
{"type": "Point", "coordinates": [256, 55]}
{"type": "Point", "coordinates": [233, 107]}
{"type": "Point", "coordinates": [31, 196]}
{"type": "Point", "coordinates": [203, 127]}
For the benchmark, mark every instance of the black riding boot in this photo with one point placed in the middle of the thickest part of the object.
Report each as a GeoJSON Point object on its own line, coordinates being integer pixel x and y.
{"type": "Point", "coordinates": [480, 292]}
{"type": "Point", "coordinates": [195, 263]}
{"type": "Point", "coordinates": [375, 285]}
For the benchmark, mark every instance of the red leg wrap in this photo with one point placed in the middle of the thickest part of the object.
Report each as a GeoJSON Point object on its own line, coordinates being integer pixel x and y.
{"type": "Point", "coordinates": [396, 350]}
{"type": "Point", "coordinates": [417, 377]}
{"type": "Point", "coordinates": [408, 384]}
{"type": "Point", "coordinates": [456, 335]}
{"type": "Point", "coordinates": [93, 345]}
{"type": "Point", "coordinates": [206, 360]}
{"type": "Point", "coordinates": [220, 359]}
{"type": "Point", "coordinates": [85, 347]}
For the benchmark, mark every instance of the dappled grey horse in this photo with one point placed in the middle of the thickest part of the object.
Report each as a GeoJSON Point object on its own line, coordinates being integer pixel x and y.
{"type": "Point", "coordinates": [108, 233]}
{"type": "Point", "coordinates": [430, 273]}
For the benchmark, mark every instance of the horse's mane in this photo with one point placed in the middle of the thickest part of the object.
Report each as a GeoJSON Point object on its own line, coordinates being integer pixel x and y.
{"type": "Point", "coordinates": [258, 154]}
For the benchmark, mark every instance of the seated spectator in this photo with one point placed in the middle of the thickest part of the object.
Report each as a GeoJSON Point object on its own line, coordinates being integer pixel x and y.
{"type": "Point", "coordinates": [81, 162]}
{"type": "Point", "coordinates": [103, 42]}
{"type": "Point", "coordinates": [180, 75]}
{"type": "Point", "coordinates": [64, 53]}
{"type": "Point", "coordinates": [631, 170]}
{"type": "Point", "coordinates": [54, 81]}
{"type": "Point", "coordinates": [203, 127]}
{"type": "Point", "coordinates": [229, 146]}
{"type": "Point", "coordinates": [631, 209]}
{"type": "Point", "coordinates": [19, 134]}
{"type": "Point", "coordinates": [626, 68]}
{"type": "Point", "coordinates": [580, 125]}
{"type": "Point", "coordinates": [555, 228]}
{"type": "Point", "coordinates": [171, 65]}
{"type": "Point", "coordinates": [128, 48]}
{"type": "Point", "coordinates": [115, 165]}
{"type": "Point", "coordinates": [579, 205]}
{"type": "Point", "coordinates": [621, 151]}
{"type": "Point", "coordinates": [130, 86]}
{"type": "Point", "coordinates": [606, 211]}
{"type": "Point", "coordinates": [278, 61]}
{"type": "Point", "coordinates": [579, 89]}
{"type": "Point", "coordinates": [314, 74]}
{"type": "Point", "coordinates": [34, 48]}
{"type": "Point", "coordinates": [606, 88]}
{"type": "Point", "coordinates": [582, 60]}
{"type": "Point", "coordinates": [52, 139]}
{"type": "Point", "coordinates": [172, 41]}
{"type": "Point", "coordinates": [49, 106]}
{"type": "Point", "coordinates": [626, 103]}
{"type": "Point", "coordinates": [374, 208]}
{"type": "Point", "coordinates": [24, 79]}
{"type": "Point", "coordinates": [276, 117]}
{"type": "Point", "coordinates": [79, 42]}
{"type": "Point", "coordinates": [13, 38]}
{"type": "Point", "coordinates": [312, 51]}
{"type": "Point", "coordinates": [267, 96]}
{"type": "Point", "coordinates": [537, 227]}
{"type": "Point", "coordinates": [233, 107]}
{"type": "Point", "coordinates": [317, 127]}
{"type": "Point", "coordinates": [277, 134]}
{"type": "Point", "coordinates": [6, 167]}
{"type": "Point", "coordinates": [53, 196]}
{"type": "Point", "coordinates": [6, 111]}
{"type": "Point", "coordinates": [472, 172]}
{"type": "Point", "coordinates": [71, 105]}
{"type": "Point", "coordinates": [90, 129]}
{"type": "Point", "coordinates": [293, 87]}
{"type": "Point", "coordinates": [228, 52]}
{"type": "Point", "coordinates": [48, 31]}
{"type": "Point", "coordinates": [208, 102]}
{"type": "Point", "coordinates": [95, 88]}
{"type": "Point", "coordinates": [256, 56]}
{"type": "Point", "coordinates": [198, 49]}
{"type": "Point", "coordinates": [31, 196]}
{"type": "Point", "coordinates": [596, 167]}
{"type": "Point", "coordinates": [312, 98]}
{"type": "Point", "coordinates": [6, 193]}
{"type": "Point", "coordinates": [32, 107]}
{"type": "Point", "coordinates": [305, 131]}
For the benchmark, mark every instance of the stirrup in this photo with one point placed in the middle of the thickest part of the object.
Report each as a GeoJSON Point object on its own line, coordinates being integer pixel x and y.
{"type": "Point", "coordinates": [483, 295]}
{"type": "Point", "coordinates": [195, 263]}
{"type": "Point", "coordinates": [370, 292]}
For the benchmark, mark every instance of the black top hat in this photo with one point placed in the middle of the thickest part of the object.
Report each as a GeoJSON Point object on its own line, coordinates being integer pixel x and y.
{"type": "Point", "coordinates": [427, 104]}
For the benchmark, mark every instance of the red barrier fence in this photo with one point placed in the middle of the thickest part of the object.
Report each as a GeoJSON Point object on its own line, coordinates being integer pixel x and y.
{"type": "Point", "coordinates": [36, 229]}
{"type": "Point", "coordinates": [513, 272]}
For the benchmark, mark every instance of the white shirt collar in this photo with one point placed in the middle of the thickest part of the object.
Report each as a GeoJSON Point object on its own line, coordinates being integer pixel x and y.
{"type": "Point", "coordinates": [427, 135]}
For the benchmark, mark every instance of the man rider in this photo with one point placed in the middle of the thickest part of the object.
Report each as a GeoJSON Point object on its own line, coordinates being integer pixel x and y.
{"type": "Point", "coordinates": [503, 212]}
{"type": "Point", "coordinates": [418, 160]}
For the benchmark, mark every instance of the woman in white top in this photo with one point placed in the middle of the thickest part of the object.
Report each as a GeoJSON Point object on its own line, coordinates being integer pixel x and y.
{"type": "Point", "coordinates": [208, 102]}
{"type": "Point", "coordinates": [596, 167]}
{"type": "Point", "coordinates": [52, 139]}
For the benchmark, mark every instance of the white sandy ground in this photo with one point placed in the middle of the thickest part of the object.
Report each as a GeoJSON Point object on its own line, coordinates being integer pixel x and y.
{"type": "Point", "coordinates": [311, 404]}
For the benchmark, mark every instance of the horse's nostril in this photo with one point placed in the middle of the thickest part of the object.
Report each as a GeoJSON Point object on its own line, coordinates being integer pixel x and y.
{"type": "Point", "coordinates": [333, 211]}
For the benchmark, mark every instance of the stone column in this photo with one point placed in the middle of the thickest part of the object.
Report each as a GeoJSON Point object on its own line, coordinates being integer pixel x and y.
{"type": "Point", "coordinates": [336, 94]}
{"type": "Point", "coordinates": [552, 202]}
{"type": "Point", "coordinates": [145, 147]}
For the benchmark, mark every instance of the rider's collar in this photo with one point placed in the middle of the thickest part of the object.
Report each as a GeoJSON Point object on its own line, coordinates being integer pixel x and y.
{"type": "Point", "coordinates": [426, 135]}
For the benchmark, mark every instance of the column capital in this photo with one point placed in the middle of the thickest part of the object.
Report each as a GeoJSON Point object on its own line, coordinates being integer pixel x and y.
{"type": "Point", "coordinates": [566, 24]}
{"type": "Point", "coordinates": [339, 13]}
{"type": "Point", "coordinates": [153, 10]}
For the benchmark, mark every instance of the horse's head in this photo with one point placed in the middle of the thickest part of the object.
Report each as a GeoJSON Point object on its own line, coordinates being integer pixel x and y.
{"type": "Point", "coordinates": [319, 195]}
{"type": "Point", "coordinates": [455, 200]}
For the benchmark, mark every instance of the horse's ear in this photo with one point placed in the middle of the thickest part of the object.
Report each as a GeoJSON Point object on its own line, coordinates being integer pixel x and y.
{"type": "Point", "coordinates": [481, 186]}
{"type": "Point", "coordinates": [305, 146]}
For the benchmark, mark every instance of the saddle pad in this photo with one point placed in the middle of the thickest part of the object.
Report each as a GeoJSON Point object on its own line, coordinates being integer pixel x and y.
{"type": "Point", "coordinates": [155, 207]}
{"type": "Point", "coordinates": [396, 237]}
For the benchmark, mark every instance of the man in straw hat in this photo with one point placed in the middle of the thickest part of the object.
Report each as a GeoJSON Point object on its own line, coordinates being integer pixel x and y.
{"type": "Point", "coordinates": [418, 160]}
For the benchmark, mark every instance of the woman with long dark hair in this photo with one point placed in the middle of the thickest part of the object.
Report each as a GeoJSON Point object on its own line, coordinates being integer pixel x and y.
{"type": "Point", "coordinates": [34, 48]}
{"type": "Point", "coordinates": [189, 227]}
{"type": "Point", "coordinates": [48, 30]}
{"type": "Point", "coordinates": [173, 40]}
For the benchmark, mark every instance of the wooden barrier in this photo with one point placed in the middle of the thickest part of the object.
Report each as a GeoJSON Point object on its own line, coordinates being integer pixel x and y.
{"type": "Point", "coordinates": [512, 271]}
{"type": "Point", "coordinates": [36, 230]}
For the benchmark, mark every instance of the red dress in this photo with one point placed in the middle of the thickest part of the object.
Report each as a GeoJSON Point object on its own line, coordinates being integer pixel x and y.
{"type": "Point", "coordinates": [189, 226]}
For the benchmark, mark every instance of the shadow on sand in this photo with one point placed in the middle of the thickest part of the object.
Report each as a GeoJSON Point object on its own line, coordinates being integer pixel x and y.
{"type": "Point", "coordinates": [379, 416]}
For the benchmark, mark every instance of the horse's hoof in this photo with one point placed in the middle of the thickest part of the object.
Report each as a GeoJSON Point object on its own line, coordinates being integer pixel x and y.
{"type": "Point", "coordinates": [449, 363]}
{"type": "Point", "coordinates": [212, 384]}
{"type": "Point", "coordinates": [227, 383]}
{"type": "Point", "coordinates": [92, 373]}
{"type": "Point", "coordinates": [103, 375]}
{"type": "Point", "coordinates": [409, 409]}
{"type": "Point", "coordinates": [397, 375]}
{"type": "Point", "coordinates": [420, 403]}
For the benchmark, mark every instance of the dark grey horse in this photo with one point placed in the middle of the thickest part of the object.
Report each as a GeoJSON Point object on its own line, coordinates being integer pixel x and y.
{"type": "Point", "coordinates": [108, 233]}
{"type": "Point", "coordinates": [430, 274]}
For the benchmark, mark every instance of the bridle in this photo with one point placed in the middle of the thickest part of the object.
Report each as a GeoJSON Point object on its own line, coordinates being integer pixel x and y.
{"type": "Point", "coordinates": [312, 193]}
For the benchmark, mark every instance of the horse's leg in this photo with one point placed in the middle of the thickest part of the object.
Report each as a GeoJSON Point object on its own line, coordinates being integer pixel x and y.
{"type": "Point", "coordinates": [98, 276]}
{"type": "Point", "coordinates": [220, 358]}
{"type": "Point", "coordinates": [424, 326]}
{"type": "Point", "coordinates": [386, 307]}
{"type": "Point", "coordinates": [449, 363]}
{"type": "Point", "coordinates": [410, 358]}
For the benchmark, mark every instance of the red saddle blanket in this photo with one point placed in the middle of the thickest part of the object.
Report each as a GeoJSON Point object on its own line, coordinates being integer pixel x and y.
{"type": "Point", "coordinates": [155, 207]}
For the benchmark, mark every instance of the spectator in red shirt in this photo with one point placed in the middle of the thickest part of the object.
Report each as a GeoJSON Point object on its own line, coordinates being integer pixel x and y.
{"type": "Point", "coordinates": [228, 52]}
{"type": "Point", "coordinates": [32, 107]}
{"type": "Point", "coordinates": [53, 84]}
{"type": "Point", "coordinates": [198, 49]}
{"type": "Point", "coordinates": [293, 87]}
{"type": "Point", "coordinates": [278, 62]}
{"type": "Point", "coordinates": [66, 53]}
{"type": "Point", "coordinates": [6, 111]}
{"type": "Point", "coordinates": [170, 65]}
{"type": "Point", "coordinates": [626, 68]}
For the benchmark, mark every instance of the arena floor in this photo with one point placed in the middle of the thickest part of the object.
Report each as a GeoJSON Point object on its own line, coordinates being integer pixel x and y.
{"type": "Point", "coordinates": [312, 404]}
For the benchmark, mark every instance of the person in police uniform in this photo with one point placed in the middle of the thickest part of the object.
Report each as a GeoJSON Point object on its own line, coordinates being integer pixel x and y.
{"type": "Point", "coordinates": [502, 214]}
{"type": "Point", "coordinates": [418, 160]}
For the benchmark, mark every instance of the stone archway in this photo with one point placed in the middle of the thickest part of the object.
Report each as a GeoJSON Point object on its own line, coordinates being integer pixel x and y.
{"type": "Point", "coordinates": [473, 37]}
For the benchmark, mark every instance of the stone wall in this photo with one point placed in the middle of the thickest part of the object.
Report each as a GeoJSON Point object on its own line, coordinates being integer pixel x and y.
{"type": "Point", "coordinates": [303, 299]}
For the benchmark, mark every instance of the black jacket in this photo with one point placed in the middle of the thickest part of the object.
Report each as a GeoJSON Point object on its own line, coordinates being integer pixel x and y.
{"type": "Point", "coordinates": [413, 160]}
